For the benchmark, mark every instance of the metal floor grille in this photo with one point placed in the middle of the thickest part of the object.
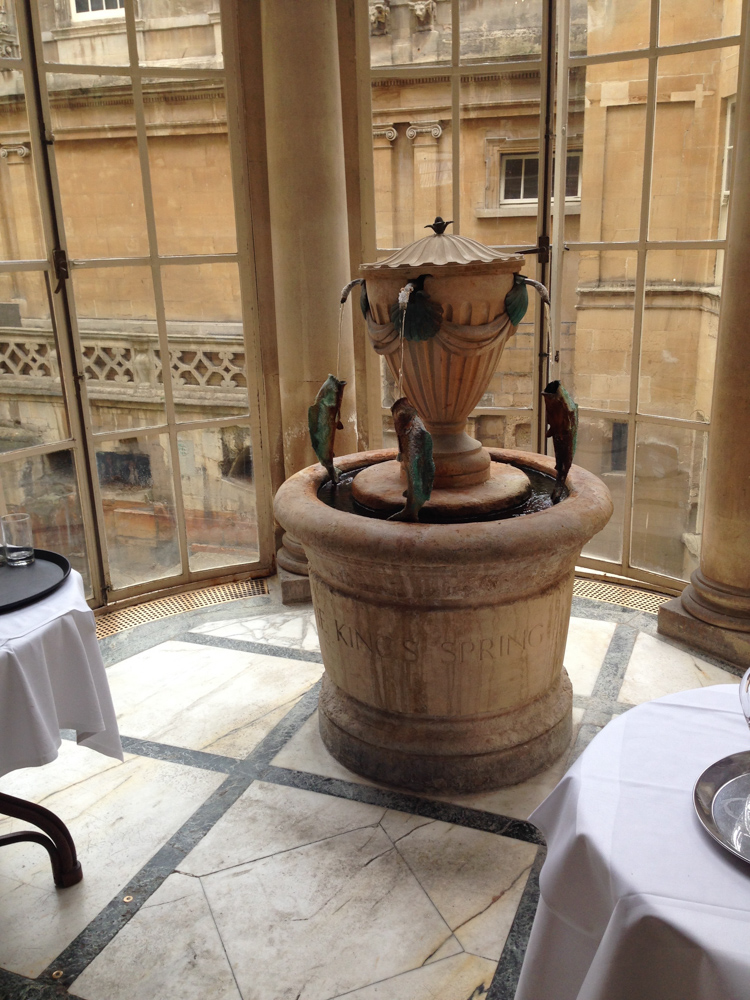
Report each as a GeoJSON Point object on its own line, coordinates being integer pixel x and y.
{"type": "Point", "coordinates": [163, 607]}
{"type": "Point", "coordinates": [641, 600]}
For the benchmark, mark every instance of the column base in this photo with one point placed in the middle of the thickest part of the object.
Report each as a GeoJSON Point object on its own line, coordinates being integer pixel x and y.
{"type": "Point", "coordinates": [726, 643]}
{"type": "Point", "coordinates": [291, 556]}
{"type": "Point", "coordinates": [295, 588]}
{"type": "Point", "coordinates": [727, 607]}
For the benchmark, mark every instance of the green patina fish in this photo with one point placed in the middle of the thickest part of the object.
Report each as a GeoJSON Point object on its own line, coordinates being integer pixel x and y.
{"type": "Point", "coordinates": [517, 299]}
{"type": "Point", "coordinates": [323, 419]}
{"type": "Point", "coordinates": [415, 451]}
{"type": "Point", "coordinates": [562, 427]}
{"type": "Point", "coordinates": [415, 316]}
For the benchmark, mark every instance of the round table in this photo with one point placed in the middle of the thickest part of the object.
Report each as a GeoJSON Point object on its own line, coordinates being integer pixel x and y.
{"type": "Point", "coordinates": [637, 901]}
{"type": "Point", "coordinates": [51, 677]}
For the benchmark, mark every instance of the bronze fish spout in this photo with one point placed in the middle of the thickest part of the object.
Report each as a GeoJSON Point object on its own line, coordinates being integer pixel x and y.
{"type": "Point", "coordinates": [415, 452]}
{"type": "Point", "coordinates": [324, 419]}
{"type": "Point", "coordinates": [517, 299]}
{"type": "Point", "coordinates": [562, 427]}
{"type": "Point", "coordinates": [416, 316]}
{"type": "Point", "coordinates": [364, 302]}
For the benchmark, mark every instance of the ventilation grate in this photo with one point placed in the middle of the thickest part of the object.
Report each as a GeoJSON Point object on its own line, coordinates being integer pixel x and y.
{"type": "Point", "coordinates": [628, 597]}
{"type": "Point", "coordinates": [163, 607]}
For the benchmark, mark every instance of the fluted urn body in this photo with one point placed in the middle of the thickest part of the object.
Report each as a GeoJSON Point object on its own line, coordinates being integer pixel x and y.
{"type": "Point", "coordinates": [445, 376]}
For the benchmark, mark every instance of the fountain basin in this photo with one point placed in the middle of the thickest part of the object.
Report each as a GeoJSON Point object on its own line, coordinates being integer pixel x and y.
{"type": "Point", "coordinates": [443, 644]}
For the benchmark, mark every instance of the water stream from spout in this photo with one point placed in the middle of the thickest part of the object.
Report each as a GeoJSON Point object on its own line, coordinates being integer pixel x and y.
{"type": "Point", "coordinates": [338, 349]}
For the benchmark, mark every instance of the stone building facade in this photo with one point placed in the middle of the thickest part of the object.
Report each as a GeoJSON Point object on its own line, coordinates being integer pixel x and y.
{"type": "Point", "coordinates": [102, 201]}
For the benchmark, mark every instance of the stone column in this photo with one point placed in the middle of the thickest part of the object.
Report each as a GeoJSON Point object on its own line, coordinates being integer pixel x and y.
{"type": "Point", "coordinates": [424, 136]}
{"type": "Point", "coordinates": [309, 235]}
{"type": "Point", "coordinates": [382, 141]}
{"type": "Point", "coordinates": [714, 610]}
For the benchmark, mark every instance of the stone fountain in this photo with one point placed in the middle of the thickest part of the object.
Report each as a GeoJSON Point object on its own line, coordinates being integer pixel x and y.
{"type": "Point", "coordinates": [443, 640]}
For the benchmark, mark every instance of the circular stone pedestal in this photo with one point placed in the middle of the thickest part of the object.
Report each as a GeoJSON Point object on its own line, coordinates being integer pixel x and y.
{"type": "Point", "coordinates": [443, 644]}
{"type": "Point", "coordinates": [381, 487]}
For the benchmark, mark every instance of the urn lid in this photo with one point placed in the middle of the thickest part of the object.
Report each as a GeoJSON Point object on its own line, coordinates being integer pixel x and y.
{"type": "Point", "coordinates": [455, 254]}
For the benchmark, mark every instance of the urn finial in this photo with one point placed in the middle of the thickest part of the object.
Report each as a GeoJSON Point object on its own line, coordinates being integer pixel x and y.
{"type": "Point", "coordinates": [439, 226]}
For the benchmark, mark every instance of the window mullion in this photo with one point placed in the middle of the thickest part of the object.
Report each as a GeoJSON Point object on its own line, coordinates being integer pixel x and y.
{"type": "Point", "coordinates": [558, 211]}
{"type": "Point", "coordinates": [161, 323]}
{"type": "Point", "coordinates": [640, 279]}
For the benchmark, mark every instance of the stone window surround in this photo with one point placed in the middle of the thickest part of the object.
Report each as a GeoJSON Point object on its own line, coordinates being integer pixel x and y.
{"type": "Point", "coordinates": [495, 147]}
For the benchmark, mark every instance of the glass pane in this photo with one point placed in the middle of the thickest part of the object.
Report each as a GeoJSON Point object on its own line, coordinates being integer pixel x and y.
{"type": "Point", "coordinates": [413, 160]}
{"type": "Point", "coordinates": [500, 158]}
{"type": "Point", "coordinates": [120, 345]}
{"type": "Point", "coordinates": [96, 153]}
{"type": "Point", "coordinates": [187, 33]}
{"type": "Point", "coordinates": [679, 22]}
{"type": "Point", "coordinates": [84, 32]}
{"type": "Point", "coordinates": [598, 308]}
{"type": "Point", "coordinates": [32, 408]}
{"type": "Point", "coordinates": [531, 177]}
{"type": "Point", "coordinates": [135, 478]}
{"type": "Point", "coordinates": [406, 33]}
{"type": "Point", "coordinates": [680, 323]}
{"type": "Point", "coordinates": [9, 46]}
{"type": "Point", "coordinates": [503, 430]}
{"type": "Point", "coordinates": [598, 26]}
{"type": "Point", "coordinates": [667, 509]}
{"type": "Point", "coordinates": [512, 383]}
{"type": "Point", "coordinates": [218, 490]}
{"type": "Point", "coordinates": [492, 30]}
{"type": "Point", "coordinates": [191, 176]}
{"type": "Point", "coordinates": [610, 130]}
{"type": "Point", "coordinates": [689, 143]}
{"type": "Point", "coordinates": [21, 235]}
{"type": "Point", "coordinates": [46, 487]}
{"type": "Point", "coordinates": [207, 347]}
{"type": "Point", "coordinates": [602, 449]}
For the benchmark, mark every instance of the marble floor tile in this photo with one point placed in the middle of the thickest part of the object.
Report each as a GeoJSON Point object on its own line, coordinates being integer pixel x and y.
{"type": "Point", "coordinates": [657, 668]}
{"type": "Point", "coordinates": [170, 950]}
{"type": "Point", "coordinates": [119, 816]}
{"type": "Point", "coordinates": [206, 698]}
{"type": "Point", "coordinates": [464, 977]}
{"type": "Point", "coordinates": [289, 629]}
{"type": "Point", "coordinates": [268, 819]}
{"type": "Point", "coordinates": [324, 919]}
{"type": "Point", "coordinates": [475, 879]}
{"type": "Point", "coordinates": [587, 645]}
{"type": "Point", "coordinates": [306, 752]}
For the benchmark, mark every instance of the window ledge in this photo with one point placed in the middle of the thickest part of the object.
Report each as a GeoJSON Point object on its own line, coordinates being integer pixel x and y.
{"type": "Point", "coordinates": [526, 208]}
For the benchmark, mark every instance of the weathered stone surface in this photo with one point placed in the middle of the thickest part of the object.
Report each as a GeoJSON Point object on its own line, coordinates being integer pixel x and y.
{"type": "Point", "coordinates": [295, 588]}
{"type": "Point", "coordinates": [728, 644]}
{"type": "Point", "coordinates": [443, 643]}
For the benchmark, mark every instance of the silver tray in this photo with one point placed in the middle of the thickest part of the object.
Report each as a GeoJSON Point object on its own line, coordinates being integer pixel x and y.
{"type": "Point", "coordinates": [722, 800]}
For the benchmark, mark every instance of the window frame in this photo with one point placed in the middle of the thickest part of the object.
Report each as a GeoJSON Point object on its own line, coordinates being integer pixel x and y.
{"type": "Point", "coordinates": [97, 15]}
{"type": "Point", "coordinates": [558, 59]}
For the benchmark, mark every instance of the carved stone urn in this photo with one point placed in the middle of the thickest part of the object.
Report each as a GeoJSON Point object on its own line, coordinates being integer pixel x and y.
{"type": "Point", "coordinates": [443, 643]}
{"type": "Point", "coordinates": [445, 377]}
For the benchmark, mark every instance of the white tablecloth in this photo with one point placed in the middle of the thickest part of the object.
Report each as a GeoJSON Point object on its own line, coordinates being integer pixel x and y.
{"type": "Point", "coordinates": [637, 901]}
{"type": "Point", "coordinates": [51, 678]}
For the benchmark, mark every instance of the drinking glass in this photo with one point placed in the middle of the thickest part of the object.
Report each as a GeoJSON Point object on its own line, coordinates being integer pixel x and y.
{"type": "Point", "coordinates": [17, 539]}
{"type": "Point", "coordinates": [745, 696]}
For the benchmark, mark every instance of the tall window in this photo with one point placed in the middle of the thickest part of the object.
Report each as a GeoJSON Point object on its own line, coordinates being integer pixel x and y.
{"type": "Point", "coordinates": [641, 113]}
{"type": "Point", "coordinates": [128, 424]}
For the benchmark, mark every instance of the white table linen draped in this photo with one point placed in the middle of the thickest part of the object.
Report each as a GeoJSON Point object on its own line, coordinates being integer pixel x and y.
{"type": "Point", "coordinates": [637, 901]}
{"type": "Point", "coordinates": [52, 677]}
